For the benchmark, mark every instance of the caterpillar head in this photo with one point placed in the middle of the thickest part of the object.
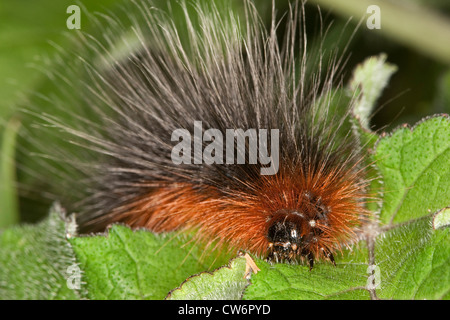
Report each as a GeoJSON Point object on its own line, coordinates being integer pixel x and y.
{"type": "Point", "coordinates": [293, 235]}
{"type": "Point", "coordinates": [285, 235]}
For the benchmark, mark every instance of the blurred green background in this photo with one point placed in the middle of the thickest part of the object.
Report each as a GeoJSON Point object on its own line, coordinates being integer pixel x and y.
{"type": "Point", "coordinates": [415, 35]}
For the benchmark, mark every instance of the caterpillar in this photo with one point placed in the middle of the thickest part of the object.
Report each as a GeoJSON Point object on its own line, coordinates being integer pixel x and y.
{"type": "Point", "coordinates": [216, 125]}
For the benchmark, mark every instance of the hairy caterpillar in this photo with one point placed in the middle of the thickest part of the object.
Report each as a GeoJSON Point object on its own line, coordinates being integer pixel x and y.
{"type": "Point", "coordinates": [228, 74]}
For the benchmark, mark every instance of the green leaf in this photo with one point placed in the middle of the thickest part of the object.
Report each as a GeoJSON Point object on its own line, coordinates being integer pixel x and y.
{"type": "Point", "coordinates": [414, 262]}
{"type": "Point", "coordinates": [36, 262]}
{"type": "Point", "coordinates": [415, 166]}
{"type": "Point", "coordinates": [412, 257]}
{"type": "Point", "coordinates": [225, 283]}
{"type": "Point", "coordinates": [130, 264]}
{"type": "Point", "coordinates": [325, 281]}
